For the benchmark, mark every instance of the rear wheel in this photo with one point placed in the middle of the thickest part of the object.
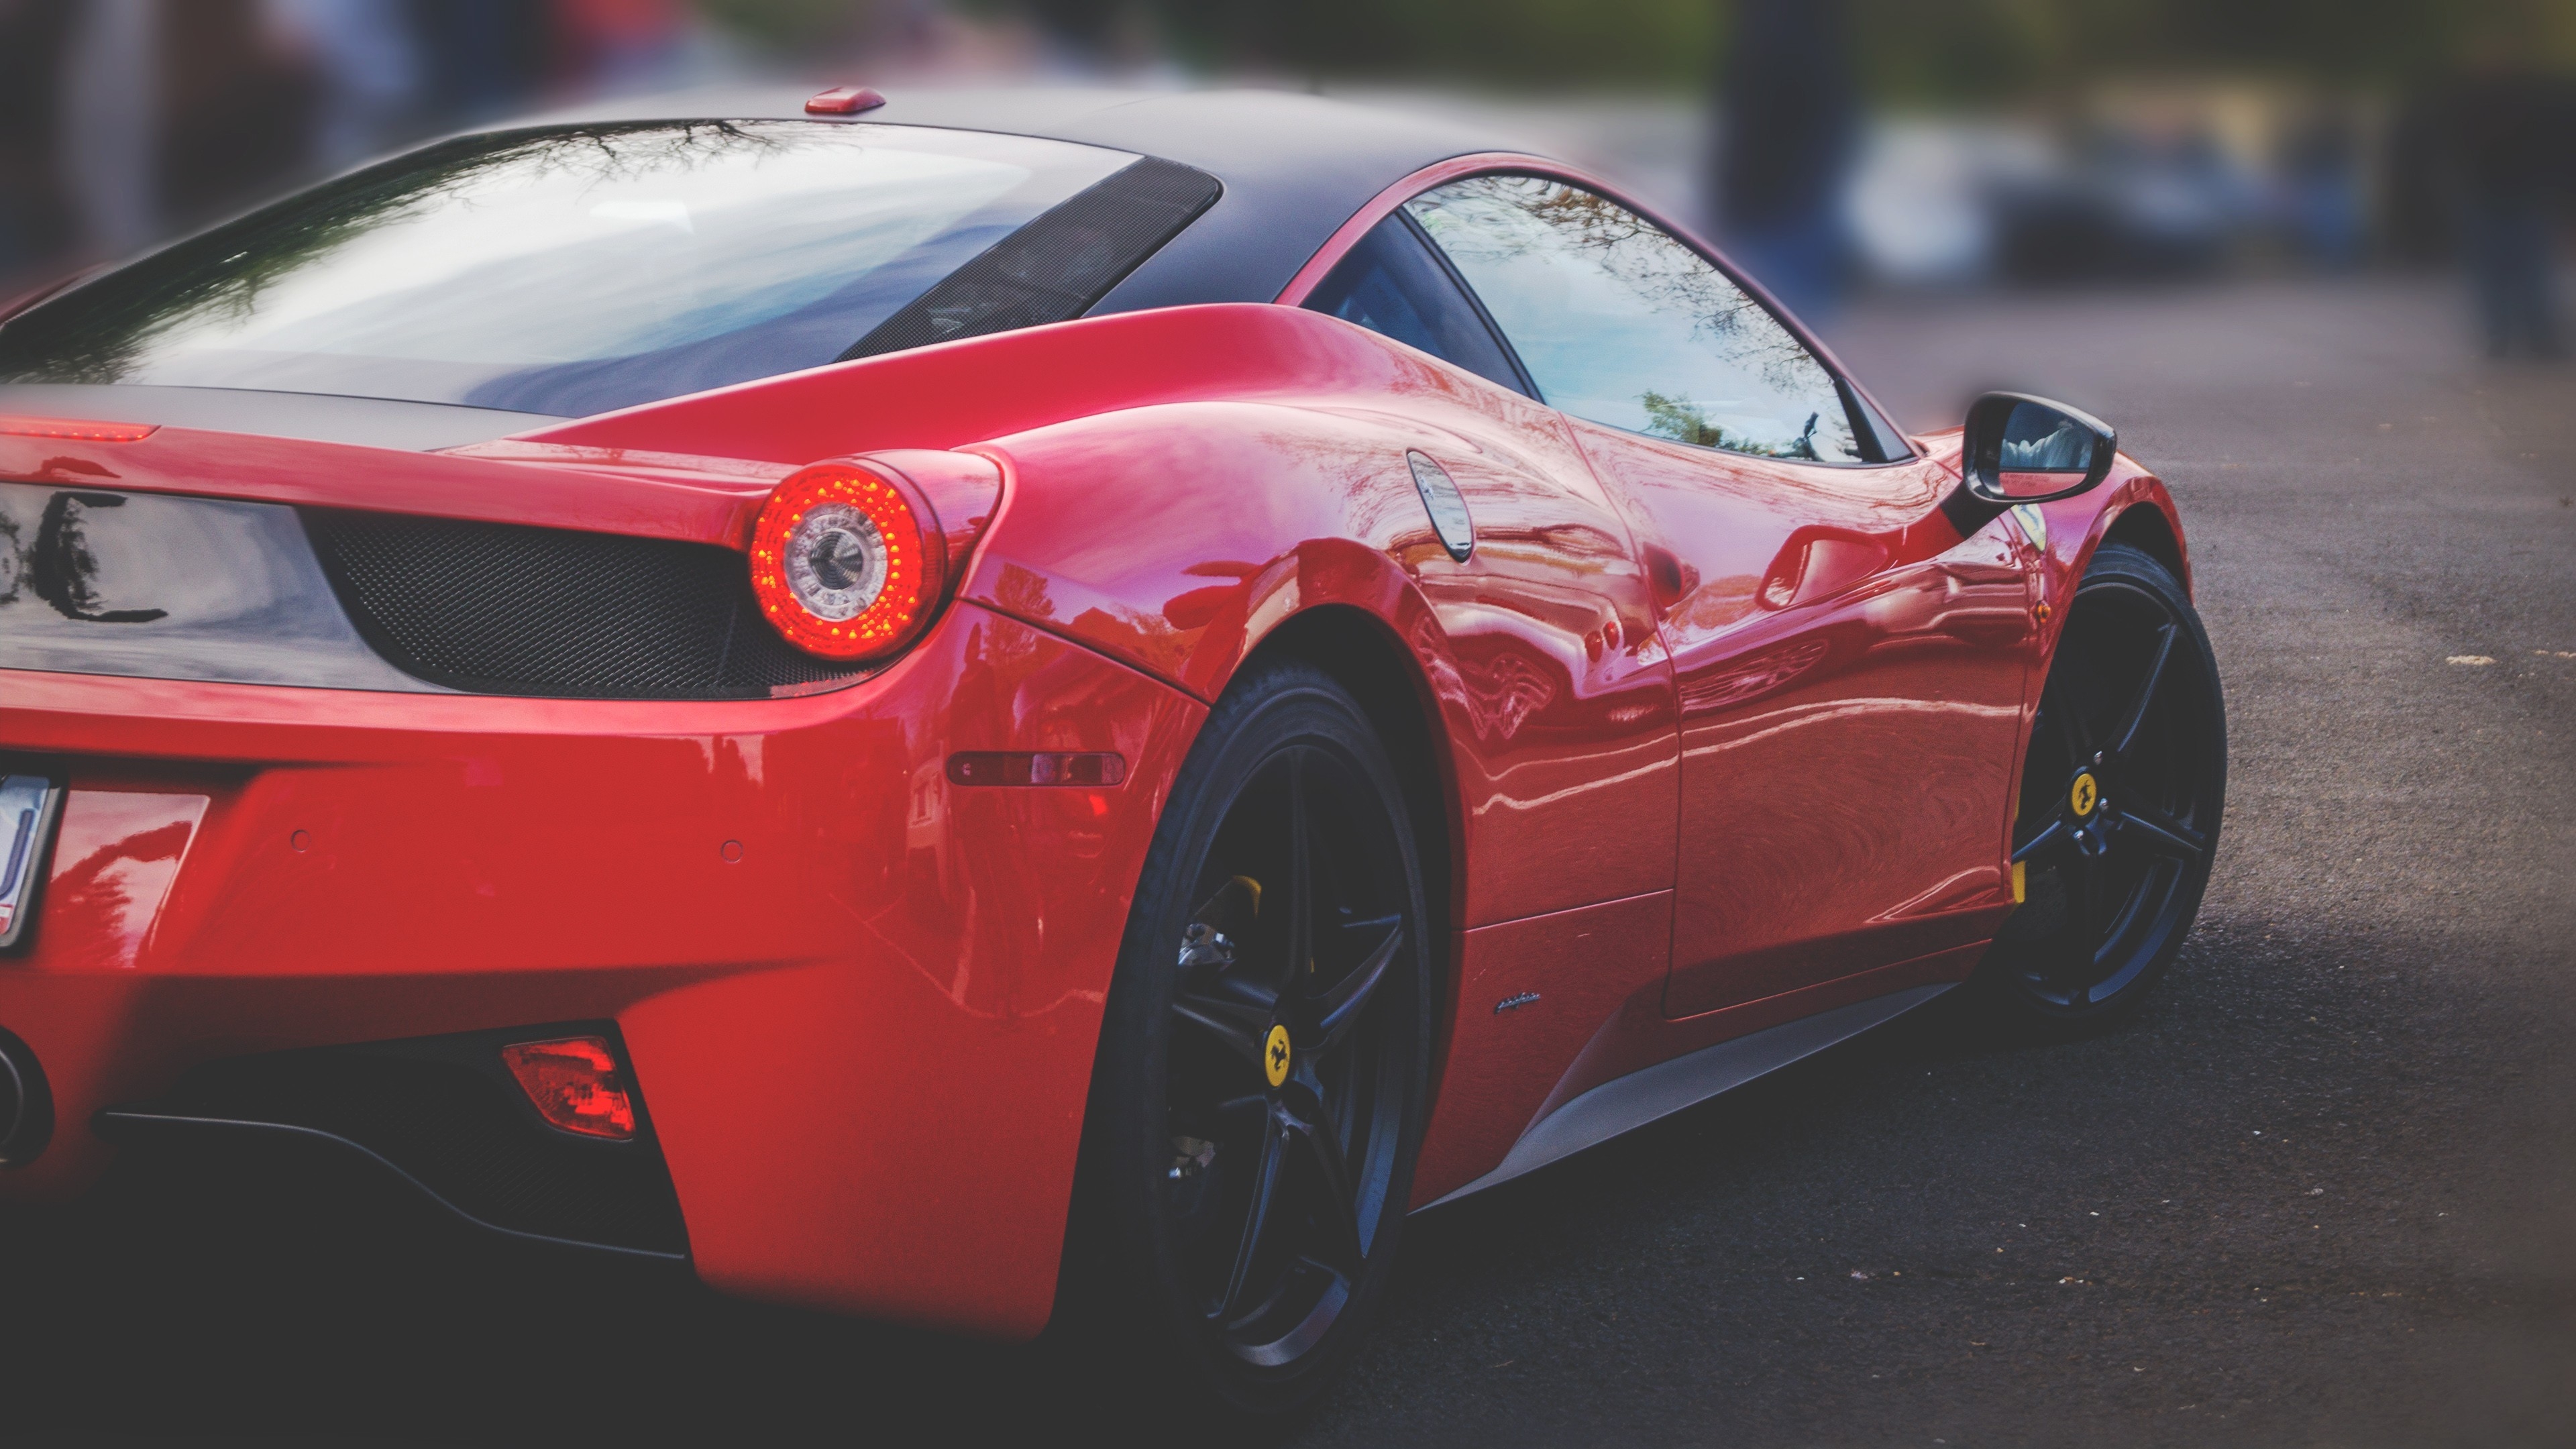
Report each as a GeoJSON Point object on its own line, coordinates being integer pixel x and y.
{"type": "Point", "coordinates": [2121, 796]}
{"type": "Point", "coordinates": [1264, 1064]}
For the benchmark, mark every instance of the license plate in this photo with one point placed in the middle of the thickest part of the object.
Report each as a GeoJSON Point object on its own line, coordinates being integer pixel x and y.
{"type": "Point", "coordinates": [28, 807]}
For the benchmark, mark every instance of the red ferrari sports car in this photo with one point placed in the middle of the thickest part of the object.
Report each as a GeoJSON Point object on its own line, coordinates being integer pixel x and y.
{"type": "Point", "coordinates": [985, 709]}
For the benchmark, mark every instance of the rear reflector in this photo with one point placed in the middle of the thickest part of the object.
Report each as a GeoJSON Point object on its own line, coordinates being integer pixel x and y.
{"type": "Point", "coordinates": [996, 768]}
{"type": "Point", "coordinates": [78, 432]}
{"type": "Point", "coordinates": [575, 1084]}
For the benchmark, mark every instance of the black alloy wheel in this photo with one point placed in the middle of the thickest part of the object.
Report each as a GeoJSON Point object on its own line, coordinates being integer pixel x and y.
{"type": "Point", "coordinates": [1263, 1071]}
{"type": "Point", "coordinates": [2121, 796]}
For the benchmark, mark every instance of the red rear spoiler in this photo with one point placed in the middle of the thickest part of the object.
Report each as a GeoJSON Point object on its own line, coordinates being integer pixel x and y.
{"type": "Point", "coordinates": [698, 499]}
{"type": "Point", "coordinates": [699, 467]}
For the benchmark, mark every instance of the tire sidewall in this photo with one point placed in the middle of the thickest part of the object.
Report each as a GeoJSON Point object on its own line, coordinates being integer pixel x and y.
{"type": "Point", "coordinates": [2120, 564]}
{"type": "Point", "coordinates": [1136, 1276]}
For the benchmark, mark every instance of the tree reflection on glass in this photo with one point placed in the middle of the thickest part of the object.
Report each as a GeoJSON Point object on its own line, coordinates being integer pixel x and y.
{"type": "Point", "coordinates": [1685, 421]}
{"type": "Point", "coordinates": [1619, 322]}
{"type": "Point", "coordinates": [566, 270]}
{"type": "Point", "coordinates": [220, 277]}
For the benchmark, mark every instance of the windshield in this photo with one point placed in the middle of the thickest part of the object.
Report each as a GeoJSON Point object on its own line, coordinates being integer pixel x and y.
{"type": "Point", "coordinates": [565, 271]}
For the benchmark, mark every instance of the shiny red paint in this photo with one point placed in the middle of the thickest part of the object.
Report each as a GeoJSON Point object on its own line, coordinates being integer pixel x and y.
{"type": "Point", "coordinates": [604, 490]}
{"type": "Point", "coordinates": [1175, 537]}
{"type": "Point", "coordinates": [1723, 742]}
{"type": "Point", "coordinates": [1569, 972]}
{"type": "Point", "coordinates": [1851, 684]}
{"type": "Point", "coordinates": [888, 956]}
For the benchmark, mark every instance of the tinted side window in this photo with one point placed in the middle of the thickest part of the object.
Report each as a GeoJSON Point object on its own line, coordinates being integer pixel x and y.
{"type": "Point", "coordinates": [1391, 284]}
{"type": "Point", "coordinates": [1618, 322]}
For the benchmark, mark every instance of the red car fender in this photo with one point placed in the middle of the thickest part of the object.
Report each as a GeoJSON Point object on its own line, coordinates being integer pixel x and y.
{"type": "Point", "coordinates": [2133, 503]}
{"type": "Point", "coordinates": [956, 393]}
{"type": "Point", "coordinates": [1179, 537]}
{"type": "Point", "coordinates": [890, 1126]}
{"type": "Point", "coordinates": [2061, 548]}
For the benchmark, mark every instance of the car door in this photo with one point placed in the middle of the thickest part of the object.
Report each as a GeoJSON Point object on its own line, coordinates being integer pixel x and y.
{"type": "Point", "coordinates": [1850, 671]}
{"type": "Point", "coordinates": [1547, 664]}
{"type": "Point", "coordinates": [1558, 704]}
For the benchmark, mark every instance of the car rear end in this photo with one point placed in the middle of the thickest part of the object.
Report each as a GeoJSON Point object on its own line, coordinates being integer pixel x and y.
{"type": "Point", "coordinates": [471, 813]}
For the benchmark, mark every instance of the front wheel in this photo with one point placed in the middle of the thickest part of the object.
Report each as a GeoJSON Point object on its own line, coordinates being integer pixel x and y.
{"type": "Point", "coordinates": [1265, 1060]}
{"type": "Point", "coordinates": [2122, 791]}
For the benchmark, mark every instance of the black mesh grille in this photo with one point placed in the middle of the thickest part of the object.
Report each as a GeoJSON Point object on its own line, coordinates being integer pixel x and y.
{"type": "Point", "coordinates": [1055, 267]}
{"type": "Point", "coordinates": [443, 1111]}
{"type": "Point", "coordinates": [501, 608]}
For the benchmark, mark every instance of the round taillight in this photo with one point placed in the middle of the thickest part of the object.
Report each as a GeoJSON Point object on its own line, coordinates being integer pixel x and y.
{"type": "Point", "coordinates": [843, 564]}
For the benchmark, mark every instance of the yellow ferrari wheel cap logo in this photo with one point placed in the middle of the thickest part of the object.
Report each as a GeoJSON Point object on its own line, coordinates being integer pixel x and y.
{"type": "Point", "coordinates": [1274, 1055]}
{"type": "Point", "coordinates": [2084, 796]}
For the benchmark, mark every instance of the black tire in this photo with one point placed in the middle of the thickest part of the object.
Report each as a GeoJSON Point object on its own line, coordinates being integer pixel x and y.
{"type": "Point", "coordinates": [2122, 793]}
{"type": "Point", "coordinates": [1191, 1118]}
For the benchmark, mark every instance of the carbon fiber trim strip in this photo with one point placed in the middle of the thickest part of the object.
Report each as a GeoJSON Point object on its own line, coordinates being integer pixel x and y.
{"type": "Point", "coordinates": [1056, 267]}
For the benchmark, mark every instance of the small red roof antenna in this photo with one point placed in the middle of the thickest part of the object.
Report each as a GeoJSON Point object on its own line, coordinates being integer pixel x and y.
{"type": "Point", "coordinates": [845, 101]}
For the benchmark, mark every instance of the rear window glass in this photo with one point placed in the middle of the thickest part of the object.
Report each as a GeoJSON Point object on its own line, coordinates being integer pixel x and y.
{"type": "Point", "coordinates": [566, 270]}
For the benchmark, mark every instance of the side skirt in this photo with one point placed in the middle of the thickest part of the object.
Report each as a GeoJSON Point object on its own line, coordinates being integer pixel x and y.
{"type": "Point", "coordinates": [1642, 1096]}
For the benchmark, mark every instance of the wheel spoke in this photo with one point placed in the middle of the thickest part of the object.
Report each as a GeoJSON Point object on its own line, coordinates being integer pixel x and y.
{"type": "Point", "coordinates": [1280, 1186]}
{"type": "Point", "coordinates": [1339, 1010]}
{"type": "Point", "coordinates": [1217, 911]}
{"type": "Point", "coordinates": [1236, 1023]}
{"type": "Point", "coordinates": [2050, 837]}
{"type": "Point", "coordinates": [2084, 901]}
{"type": "Point", "coordinates": [2069, 728]}
{"type": "Point", "coordinates": [1337, 1213]}
{"type": "Point", "coordinates": [1214, 996]}
{"type": "Point", "coordinates": [2161, 833]}
{"type": "Point", "coordinates": [2057, 701]}
{"type": "Point", "coordinates": [1301, 875]}
{"type": "Point", "coordinates": [2128, 671]}
{"type": "Point", "coordinates": [2100, 911]}
{"type": "Point", "coordinates": [2127, 734]}
{"type": "Point", "coordinates": [1265, 1195]}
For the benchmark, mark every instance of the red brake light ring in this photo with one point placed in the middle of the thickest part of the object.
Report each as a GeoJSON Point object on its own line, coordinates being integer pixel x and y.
{"type": "Point", "coordinates": [899, 526]}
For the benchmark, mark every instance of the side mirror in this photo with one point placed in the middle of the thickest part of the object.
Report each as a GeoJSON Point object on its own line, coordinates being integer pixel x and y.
{"type": "Point", "coordinates": [2030, 450]}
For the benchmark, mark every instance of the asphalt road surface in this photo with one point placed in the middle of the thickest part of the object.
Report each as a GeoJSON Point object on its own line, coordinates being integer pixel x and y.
{"type": "Point", "coordinates": [2316, 1193]}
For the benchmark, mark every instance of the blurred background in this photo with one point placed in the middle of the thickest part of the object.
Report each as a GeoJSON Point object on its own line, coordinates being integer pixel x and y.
{"type": "Point", "coordinates": [1841, 149]}
{"type": "Point", "coordinates": [1833, 146]}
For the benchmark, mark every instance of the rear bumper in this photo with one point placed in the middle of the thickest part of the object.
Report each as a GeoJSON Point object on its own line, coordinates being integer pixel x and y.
{"type": "Point", "coordinates": [860, 1001]}
{"type": "Point", "coordinates": [440, 1116]}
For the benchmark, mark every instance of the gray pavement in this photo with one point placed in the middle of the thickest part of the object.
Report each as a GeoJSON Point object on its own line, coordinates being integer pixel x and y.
{"type": "Point", "coordinates": [2318, 1192]}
